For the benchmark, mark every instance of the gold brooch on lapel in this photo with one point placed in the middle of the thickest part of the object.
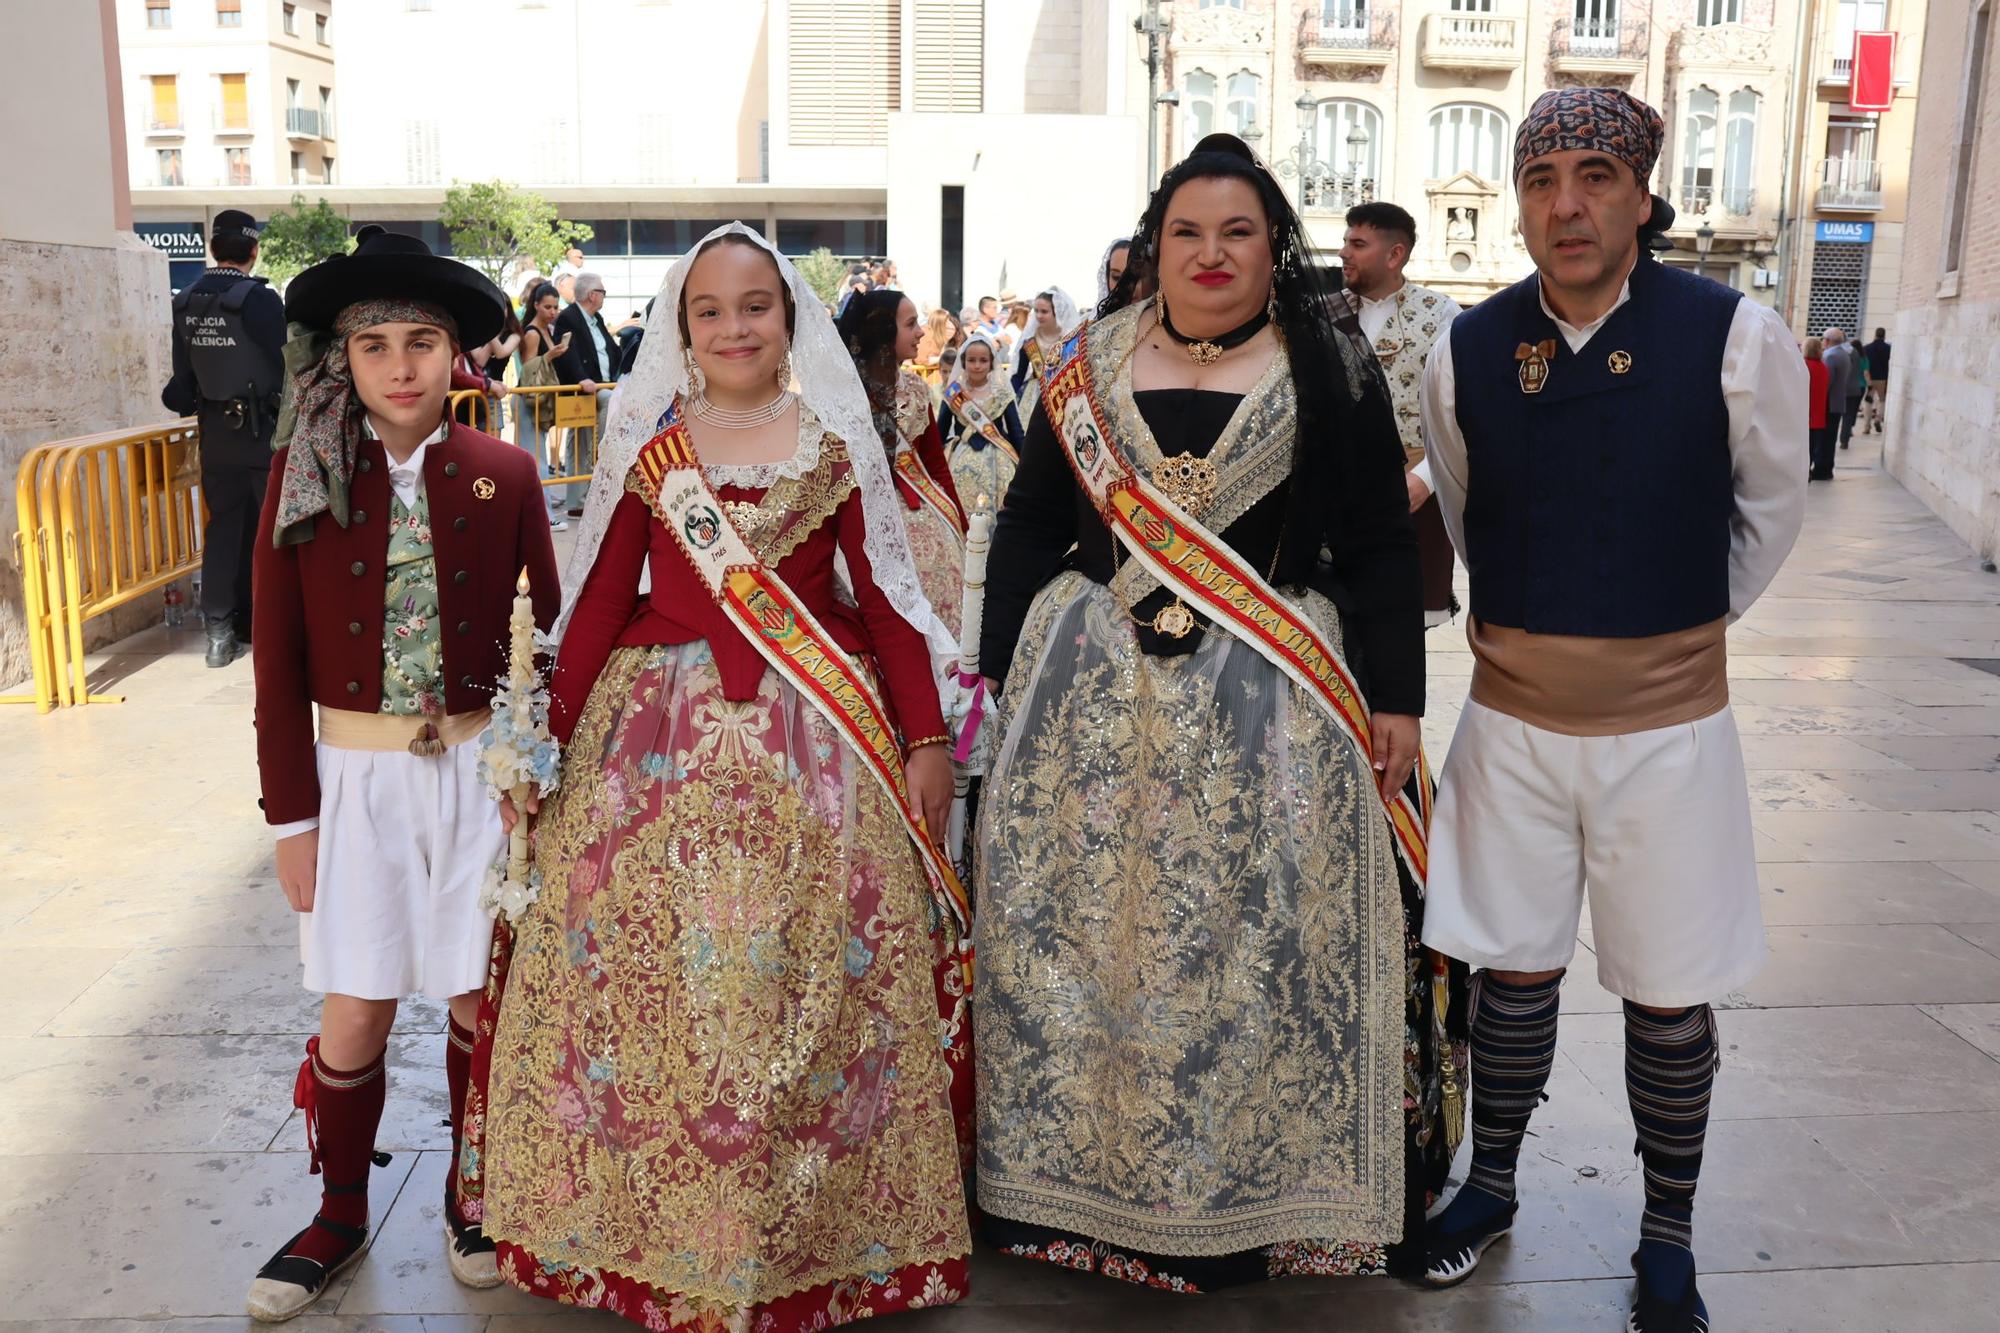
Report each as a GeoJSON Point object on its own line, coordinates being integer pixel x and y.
{"type": "Point", "coordinates": [483, 488]}
{"type": "Point", "coordinates": [1620, 362]}
{"type": "Point", "coordinates": [1534, 359]}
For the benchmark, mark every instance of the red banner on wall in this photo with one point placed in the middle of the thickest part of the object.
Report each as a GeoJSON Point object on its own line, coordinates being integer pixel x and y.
{"type": "Point", "coordinates": [1872, 81]}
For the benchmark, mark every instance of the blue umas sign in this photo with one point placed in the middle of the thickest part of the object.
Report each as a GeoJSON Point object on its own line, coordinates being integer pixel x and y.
{"type": "Point", "coordinates": [1857, 233]}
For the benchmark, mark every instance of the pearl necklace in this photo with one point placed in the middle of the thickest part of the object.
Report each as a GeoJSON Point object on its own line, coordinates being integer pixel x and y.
{"type": "Point", "coordinates": [732, 419]}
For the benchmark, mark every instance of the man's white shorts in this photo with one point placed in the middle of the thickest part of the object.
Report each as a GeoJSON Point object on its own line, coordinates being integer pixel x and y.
{"type": "Point", "coordinates": [1655, 823]}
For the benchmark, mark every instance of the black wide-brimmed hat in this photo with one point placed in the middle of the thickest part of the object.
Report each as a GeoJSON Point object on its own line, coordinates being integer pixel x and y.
{"type": "Point", "coordinates": [387, 265]}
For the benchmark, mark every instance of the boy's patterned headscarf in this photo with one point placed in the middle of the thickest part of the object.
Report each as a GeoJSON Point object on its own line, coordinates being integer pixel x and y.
{"type": "Point", "coordinates": [1609, 120]}
{"type": "Point", "coordinates": [321, 418]}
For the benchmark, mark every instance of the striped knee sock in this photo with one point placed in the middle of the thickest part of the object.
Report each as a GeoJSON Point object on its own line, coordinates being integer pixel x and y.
{"type": "Point", "coordinates": [1670, 1063]}
{"type": "Point", "coordinates": [1513, 1049]}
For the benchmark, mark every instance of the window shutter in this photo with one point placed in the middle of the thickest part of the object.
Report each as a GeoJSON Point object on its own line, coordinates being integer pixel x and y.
{"type": "Point", "coordinates": [948, 56]}
{"type": "Point", "coordinates": [845, 71]}
{"type": "Point", "coordinates": [166, 102]}
{"type": "Point", "coordinates": [235, 102]}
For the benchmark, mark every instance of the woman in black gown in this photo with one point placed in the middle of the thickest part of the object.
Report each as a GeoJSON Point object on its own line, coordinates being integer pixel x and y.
{"type": "Point", "coordinates": [1210, 1047]}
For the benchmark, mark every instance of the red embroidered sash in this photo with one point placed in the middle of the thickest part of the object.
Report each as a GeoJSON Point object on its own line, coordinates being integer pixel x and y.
{"type": "Point", "coordinates": [911, 469]}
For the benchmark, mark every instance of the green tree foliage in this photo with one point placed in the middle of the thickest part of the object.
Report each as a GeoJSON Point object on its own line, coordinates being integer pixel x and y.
{"type": "Point", "coordinates": [495, 225]}
{"type": "Point", "coordinates": [295, 239]}
{"type": "Point", "coordinates": [822, 272]}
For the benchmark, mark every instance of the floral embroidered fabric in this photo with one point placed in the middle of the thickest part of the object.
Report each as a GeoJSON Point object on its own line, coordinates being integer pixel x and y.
{"type": "Point", "coordinates": [1191, 943]}
{"type": "Point", "coordinates": [728, 1068]}
{"type": "Point", "coordinates": [412, 649]}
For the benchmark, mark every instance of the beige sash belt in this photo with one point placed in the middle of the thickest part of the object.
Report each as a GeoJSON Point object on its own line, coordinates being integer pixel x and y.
{"type": "Point", "coordinates": [1600, 687]}
{"type": "Point", "coordinates": [347, 729]}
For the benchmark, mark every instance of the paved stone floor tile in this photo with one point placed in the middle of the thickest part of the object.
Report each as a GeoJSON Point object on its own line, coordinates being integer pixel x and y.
{"type": "Point", "coordinates": [1977, 1023]}
{"type": "Point", "coordinates": [1935, 1172]}
{"type": "Point", "coordinates": [1831, 893]}
{"type": "Point", "coordinates": [1870, 964]}
{"type": "Point", "coordinates": [1866, 836]}
{"type": "Point", "coordinates": [151, 1235]}
{"type": "Point", "coordinates": [1961, 753]}
{"type": "Point", "coordinates": [245, 988]}
{"type": "Point", "coordinates": [151, 912]}
{"type": "Point", "coordinates": [36, 984]}
{"type": "Point", "coordinates": [1982, 934]}
{"type": "Point", "coordinates": [1872, 1060]}
{"type": "Point", "coordinates": [1818, 753]}
{"type": "Point", "coordinates": [143, 1094]}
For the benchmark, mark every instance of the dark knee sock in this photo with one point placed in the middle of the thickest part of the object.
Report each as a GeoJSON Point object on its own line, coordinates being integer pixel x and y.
{"type": "Point", "coordinates": [457, 1077]}
{"type": "Point", "coordinates": [1513, 1049]}
{"type": "Point", "coordinates": [1670, 1062]}
{"type": "Point", "coordinates": [343, 1109]}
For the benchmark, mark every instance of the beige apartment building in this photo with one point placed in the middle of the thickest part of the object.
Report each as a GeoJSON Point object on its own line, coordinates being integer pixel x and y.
{"type": "Point", "coordinates": [227, 94]}
{"type": "Point", "coordinates": [985, 144]}
{"type": "Point", "coordinates": [1944, 381]}
{"type": "Point", "coordinates": [1850, 171]}
{"type": "Point", "coordinates": [1417, 102]}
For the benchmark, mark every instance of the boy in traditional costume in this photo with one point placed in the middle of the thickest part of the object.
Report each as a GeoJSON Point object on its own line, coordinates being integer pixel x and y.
{"type": "Point", "coordinates": [1620, 451]}
{"type": "Point", "coordinates": [387, 555]}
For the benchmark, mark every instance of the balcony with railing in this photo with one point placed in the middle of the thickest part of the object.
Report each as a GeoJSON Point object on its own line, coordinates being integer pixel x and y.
{"type": "Point", "coordinates": [164, 124]}
{"type": "Point", "coordinates": [1600, 45]}
{"type": "Point", "coordinates": [1336, 192]}
{"type": "Point", "coordinates": [1849, 185]}
{"type": "Point", "coordinates": [305, 123]}
{"type": "Point", "coordinates": [1347, 35]}
{"type": "Point", "coordinates": [1717, 202]}
{"type": "Point", "coordinates": [1471, 42]}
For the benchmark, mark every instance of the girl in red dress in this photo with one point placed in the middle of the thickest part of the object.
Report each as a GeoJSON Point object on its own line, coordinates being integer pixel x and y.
{"type": "Point", "coordinates": [722, 1054]}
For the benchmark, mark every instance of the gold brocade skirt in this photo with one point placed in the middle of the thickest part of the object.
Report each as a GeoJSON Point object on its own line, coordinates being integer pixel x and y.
{"type": "Point", "coordinates": [1191, 943]}
{"type": "Point", "coordinates": [721, 1066]}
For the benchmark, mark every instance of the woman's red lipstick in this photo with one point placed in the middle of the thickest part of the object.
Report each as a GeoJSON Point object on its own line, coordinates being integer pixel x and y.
{"type": "Point", "coordinates": [1215, 278]}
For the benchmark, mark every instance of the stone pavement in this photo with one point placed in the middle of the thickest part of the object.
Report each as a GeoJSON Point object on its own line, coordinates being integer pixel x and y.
{"type": "Point", "coordinates": [151, 1016]}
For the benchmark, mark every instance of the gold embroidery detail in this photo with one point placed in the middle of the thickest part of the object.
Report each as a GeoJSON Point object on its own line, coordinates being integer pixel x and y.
{"type": "Point", "coordinates": [1191, 998]}
{"type": "Point", "coordinates": [692, 1071]}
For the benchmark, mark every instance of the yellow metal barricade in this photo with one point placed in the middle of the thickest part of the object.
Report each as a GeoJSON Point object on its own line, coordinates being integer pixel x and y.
{"type": "Point", "coordinates": [573, 410]}
{"type": "Point", "coordinates": [472, 407]}
{"type": "Point", "coordinates": [129, 510]}
{"type": "Point", "coordinates": [105, 520]}
{"type": "Point", "coordinates": [35, 547]}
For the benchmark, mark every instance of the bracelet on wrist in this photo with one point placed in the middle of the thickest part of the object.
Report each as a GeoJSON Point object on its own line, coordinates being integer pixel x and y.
{"type": "Point", "coordinates": [916, 745]}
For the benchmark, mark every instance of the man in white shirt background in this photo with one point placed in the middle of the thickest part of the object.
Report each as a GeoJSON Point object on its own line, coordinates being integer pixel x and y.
{"type": "Point", "coordinates": [1402, 321]}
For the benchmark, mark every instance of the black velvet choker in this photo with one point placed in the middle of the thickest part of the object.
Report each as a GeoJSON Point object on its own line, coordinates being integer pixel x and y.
{"type": "Point", "coordinates": [1205, 351]}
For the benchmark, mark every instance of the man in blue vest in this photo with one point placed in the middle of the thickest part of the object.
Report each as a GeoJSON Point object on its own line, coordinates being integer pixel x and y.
{"type": "Point", "coordinates": [1619, 447]}
{"type": "Point", "coordinates": [229, 345]}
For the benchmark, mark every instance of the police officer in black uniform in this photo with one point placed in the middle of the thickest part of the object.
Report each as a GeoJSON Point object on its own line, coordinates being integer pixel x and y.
{"type": "Point", "coordinates": [229, 342]}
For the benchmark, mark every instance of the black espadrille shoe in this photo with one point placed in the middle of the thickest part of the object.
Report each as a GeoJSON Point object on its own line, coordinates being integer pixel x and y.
{"type": "Point", "coordinates": [1650, 1314]}
{"type": "Point", "coordinates": [290, 1283]}
{"type": "Point", "coordinates": [1451, 1256]}
{"type": "Point", "coordinates": [471, 1255]}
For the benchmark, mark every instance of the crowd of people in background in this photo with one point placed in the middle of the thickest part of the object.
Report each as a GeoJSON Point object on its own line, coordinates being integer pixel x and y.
{"type": "Point", "coordinates": [1847, 383]}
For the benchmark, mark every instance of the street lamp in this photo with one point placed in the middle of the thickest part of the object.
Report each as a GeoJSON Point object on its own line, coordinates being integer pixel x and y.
{"type": "Point", "coordinates": [1704, 241]}
{"type": "Point", "coordinates": [1303, 163]}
